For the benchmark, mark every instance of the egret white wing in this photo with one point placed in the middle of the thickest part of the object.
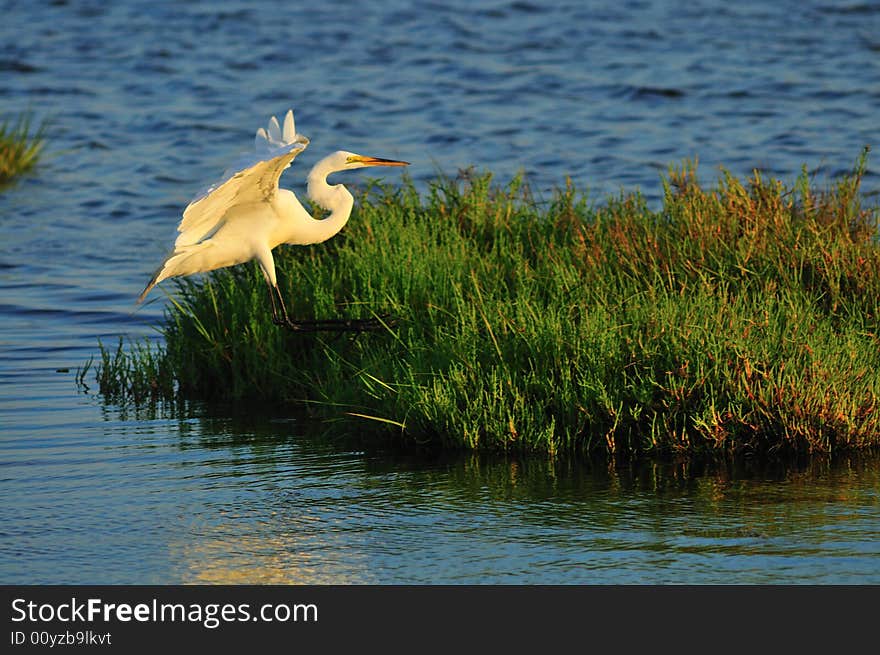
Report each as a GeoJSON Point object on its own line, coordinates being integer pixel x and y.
{"type": "Point", "coordinates": [252, 178]}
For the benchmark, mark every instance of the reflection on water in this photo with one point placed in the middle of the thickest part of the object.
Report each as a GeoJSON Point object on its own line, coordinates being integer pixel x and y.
{"type": "Point", "coordinates": [223, 501]}
{"type": "Point", "coordinates": [149, 100]}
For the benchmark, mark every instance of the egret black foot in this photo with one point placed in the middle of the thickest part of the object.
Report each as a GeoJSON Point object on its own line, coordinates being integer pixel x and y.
{"type": "Point", "coordinates": [377, 323]}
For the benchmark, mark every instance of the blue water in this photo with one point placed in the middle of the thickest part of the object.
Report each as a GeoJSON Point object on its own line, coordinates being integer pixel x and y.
{"type": "Point", "coordinates": [148, 101]}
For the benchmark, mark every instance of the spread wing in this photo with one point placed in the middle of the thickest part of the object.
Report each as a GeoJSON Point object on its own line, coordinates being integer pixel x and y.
{"type": "Point", "coordinates": [252, 178]}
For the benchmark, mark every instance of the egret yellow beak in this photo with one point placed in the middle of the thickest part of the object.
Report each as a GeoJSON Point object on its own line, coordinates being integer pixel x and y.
{"type": "Point", "coordinates": [376, 161]}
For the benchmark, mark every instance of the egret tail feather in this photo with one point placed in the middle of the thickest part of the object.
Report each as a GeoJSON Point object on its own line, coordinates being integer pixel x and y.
{"type": "Point", "coordinates": [183, 261]}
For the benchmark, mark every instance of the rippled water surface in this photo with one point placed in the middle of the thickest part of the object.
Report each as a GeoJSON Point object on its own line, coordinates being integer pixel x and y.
{"type": "Point", "coordinates": [148, 101]}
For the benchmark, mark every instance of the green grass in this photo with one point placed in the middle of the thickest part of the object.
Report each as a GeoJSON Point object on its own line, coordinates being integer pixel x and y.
{"type": "Point", "coordinates": [20, 147]}
{"type": "Point", "coordinates": [737, 318]}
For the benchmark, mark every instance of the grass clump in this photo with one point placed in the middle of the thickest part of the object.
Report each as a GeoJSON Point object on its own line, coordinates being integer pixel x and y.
{"type": "Point", "coordinates": [738, 318]}
{"type": "Point", "coordinates": [19, 148]}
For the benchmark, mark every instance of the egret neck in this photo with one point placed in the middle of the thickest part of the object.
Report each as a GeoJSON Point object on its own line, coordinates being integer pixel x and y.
{"type": "Point", "coordinates": [333, 197]}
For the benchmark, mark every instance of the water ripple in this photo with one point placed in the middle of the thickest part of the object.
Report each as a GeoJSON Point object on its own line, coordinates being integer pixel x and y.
{"type": "Point", "coordinates": [148, 100]}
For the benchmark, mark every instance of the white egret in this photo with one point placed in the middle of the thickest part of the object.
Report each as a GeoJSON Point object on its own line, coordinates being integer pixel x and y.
{"type": "Point", "coordinates": [244, 216]}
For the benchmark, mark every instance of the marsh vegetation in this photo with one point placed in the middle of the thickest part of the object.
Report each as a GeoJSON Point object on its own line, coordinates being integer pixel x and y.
{"type": "Point", "coordinates": [737, 317]}
{"type": "Point", "coordinates": [21, 145]}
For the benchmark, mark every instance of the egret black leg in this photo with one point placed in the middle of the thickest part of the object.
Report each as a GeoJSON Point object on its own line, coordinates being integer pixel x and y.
{"type": "Point", "coordinates": [285, 319]}
{"type": "Point", "coordinates": [277, 319]}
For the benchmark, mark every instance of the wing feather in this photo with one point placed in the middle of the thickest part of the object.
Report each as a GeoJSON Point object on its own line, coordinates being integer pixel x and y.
{"type": "Point", "coordinates": [252, 178]}
{"type": "Point", "coordinates": [261, 140]}
{"type": "Point", "coordinates": [274, 130]}
{"type": "Point", "coordinates": [289, 132]}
